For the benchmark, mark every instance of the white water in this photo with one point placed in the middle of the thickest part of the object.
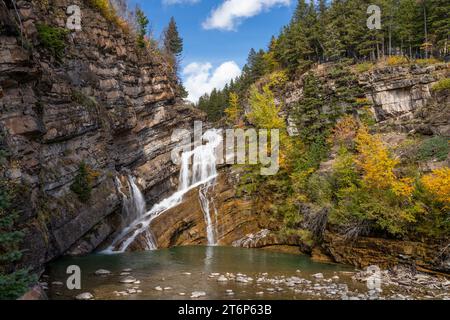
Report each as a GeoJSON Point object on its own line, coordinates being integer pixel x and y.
{"type": "Point", "coordinates": [198, 167]}
{"type": "Point", "coordinates": [204, 202]}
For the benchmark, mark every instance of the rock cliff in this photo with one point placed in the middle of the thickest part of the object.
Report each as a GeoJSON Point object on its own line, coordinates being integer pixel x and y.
{"type": "Point", "coordinates": [400, 96]}
{"type": "Point", "coordinates": [104, 103]}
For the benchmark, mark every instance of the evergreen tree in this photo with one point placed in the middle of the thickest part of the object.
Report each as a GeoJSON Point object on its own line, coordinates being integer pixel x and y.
{"type": "Point", "coordinates": [173, 46]}
{"type": "Point", "coordinates": [173, 43]}
{"type": "Point", "coordinates": [14, 281]}
{"type": "Point", "coordinates": [407, 17]}
{"type": "Point", "coordinates": [439, 20]}
{"type": "Point", "coordinates": [142, 24]}
{"type": "Point", "coordinates": [308, 112]}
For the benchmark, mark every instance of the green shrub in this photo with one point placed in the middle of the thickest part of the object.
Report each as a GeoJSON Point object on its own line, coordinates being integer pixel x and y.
{"type": "Point", "coordinates": [364, 67]}
{"type": "Point", "coordinates": [82, 184]}
{"type": "Point", "coordinates": [13, 282]}
{"type": "Point", "coordinates": [434, 148]}
{"type": "Point", "coordinates": [53, 39]}
{"type": "Point", "coordinates": [443, 84]}
{"type": "Point", "coordinates": [425, 62]}
{"type": "Point", "coordinates": [84, 100]}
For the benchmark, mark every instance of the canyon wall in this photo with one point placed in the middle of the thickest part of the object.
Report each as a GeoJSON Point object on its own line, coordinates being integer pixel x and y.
{"type": "Point", "coordinates": [104, 103]}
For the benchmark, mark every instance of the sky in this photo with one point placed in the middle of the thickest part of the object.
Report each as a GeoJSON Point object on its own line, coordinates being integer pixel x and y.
{"type": "Point", "coordinates": [217, 35]}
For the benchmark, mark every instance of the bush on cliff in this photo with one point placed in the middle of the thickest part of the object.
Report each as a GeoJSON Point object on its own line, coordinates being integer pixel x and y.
{"type": "Point", "coordinates": [14, 281]}
{"type": "Point", "coordinates": [441, 85]}
{"type": "Point", "coordinates": [82, 184]}
{"type": "Point", "coordinates": [53, 39]}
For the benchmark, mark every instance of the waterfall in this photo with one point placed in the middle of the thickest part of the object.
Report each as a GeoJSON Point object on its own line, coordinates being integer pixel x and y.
{"type": "Point", "coordinates": [134, 209]}
{"type": "Point", "coordinates": [198, 167]}
{"type": "Point", "coordinates": [204, 202]}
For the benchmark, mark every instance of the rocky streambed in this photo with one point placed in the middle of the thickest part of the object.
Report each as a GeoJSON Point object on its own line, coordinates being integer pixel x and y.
{"type": "Point", "coordinates": [232, 273]}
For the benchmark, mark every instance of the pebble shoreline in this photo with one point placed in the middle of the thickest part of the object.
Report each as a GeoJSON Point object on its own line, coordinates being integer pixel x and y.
{"type": "Point", "coordinates": [399, 283]}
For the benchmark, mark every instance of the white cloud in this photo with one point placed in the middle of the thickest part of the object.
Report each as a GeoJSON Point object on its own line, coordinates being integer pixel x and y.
{"type": "Point", "coordinates": [231, 12]}
{"type": "Point", "coordinates": [201, 79]}
{"type": "Point", "coordinates": [171, 2]}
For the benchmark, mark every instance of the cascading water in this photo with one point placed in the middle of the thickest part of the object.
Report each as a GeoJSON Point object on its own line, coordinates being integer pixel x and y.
{"type": "Point", "coordinates": [198, 167]}
{"type": "Point", "coordinates": [134, 208]}
{"type": "Point", "coordinates": [204, 202]}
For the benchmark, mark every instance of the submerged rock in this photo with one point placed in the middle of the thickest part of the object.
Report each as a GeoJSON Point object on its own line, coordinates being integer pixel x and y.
{"type": "Point", "coordinates": [102, 272]}
{"type": "Point", "coordinates": [128, 279]}
{"type": "Point", "coordinates": [229, 292]}
{"type": "Point", "coordinates": [85, 296]}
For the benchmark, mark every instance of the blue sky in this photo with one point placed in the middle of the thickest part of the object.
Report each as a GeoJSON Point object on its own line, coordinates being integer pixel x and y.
{"type": "Point", "coordinates": [217, 34]}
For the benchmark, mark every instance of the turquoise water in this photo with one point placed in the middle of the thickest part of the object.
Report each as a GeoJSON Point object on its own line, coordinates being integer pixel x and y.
{"type": "Point", "coordinates": [169, 269]}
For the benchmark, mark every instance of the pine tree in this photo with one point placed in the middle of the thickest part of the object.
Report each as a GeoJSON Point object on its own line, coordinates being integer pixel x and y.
{"type": "Point", "coordinates": [173, 43]}
{"type": "Point", "coordinates": [439, 20]}
{"type": "Point", "coordinates": [406, 17]}
{"type": "Point", "coordinates": [308, 114]}
{"type": "Point", "coordinates": [142, 24]}
{"type": "Point", "coordinates": [13, 281]}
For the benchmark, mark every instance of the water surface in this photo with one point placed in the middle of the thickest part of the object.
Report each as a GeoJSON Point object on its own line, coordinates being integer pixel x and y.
{"type": "Point", "coordinates": [189, 269]}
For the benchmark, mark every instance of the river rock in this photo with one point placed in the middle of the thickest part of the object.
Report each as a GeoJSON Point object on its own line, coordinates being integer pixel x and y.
{"type": "Point", "coordinates": [158, 288]}
{"type": "Point", "coordinates": [102, 272]}
{"type": "Point", "coordinates": [222, 278]}
{"type": "Point", "coordinates": [198, 294]}
{"type": "Point", "coordinates": [128, 280]}
{"type": "Point", "coordinates": [85, 296]}
{"type": "Point", "coordinates": [241, 279]}
{"type": "Point", "coordinates": [318, 276]}
{"type": "Point", "coordinates": [229, 292]}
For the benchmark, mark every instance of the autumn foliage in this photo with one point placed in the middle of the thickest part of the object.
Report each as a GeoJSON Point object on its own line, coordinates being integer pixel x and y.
{"type": "Point", "coordinates": [437, 184]}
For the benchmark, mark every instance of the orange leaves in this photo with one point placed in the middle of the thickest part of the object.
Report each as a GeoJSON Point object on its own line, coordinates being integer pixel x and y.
{"type": "Point", "coordinates": [437, 184]}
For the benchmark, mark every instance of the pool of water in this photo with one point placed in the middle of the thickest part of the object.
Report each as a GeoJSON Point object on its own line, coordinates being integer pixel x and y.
{"type": "Point", "coordinates": [177, 272]}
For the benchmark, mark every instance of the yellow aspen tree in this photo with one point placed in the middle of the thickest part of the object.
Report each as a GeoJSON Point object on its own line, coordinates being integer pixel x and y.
{"type": "Point", "coordinates": [233, 111]}
{"type": "Point", "coordinates": [437, 183]}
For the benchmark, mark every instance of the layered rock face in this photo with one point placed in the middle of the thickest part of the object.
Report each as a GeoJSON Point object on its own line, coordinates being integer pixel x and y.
{"type": "Point", "coordinates": [105, 103]}
{"type": "Point", "coordinates": [401, 97]}
{"type": "Point", "coordinates": [386, 253]}
{"type": "Point", "coordinates": [232, 218]}
{"type": "Point", "coordinates": [403, 100]}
